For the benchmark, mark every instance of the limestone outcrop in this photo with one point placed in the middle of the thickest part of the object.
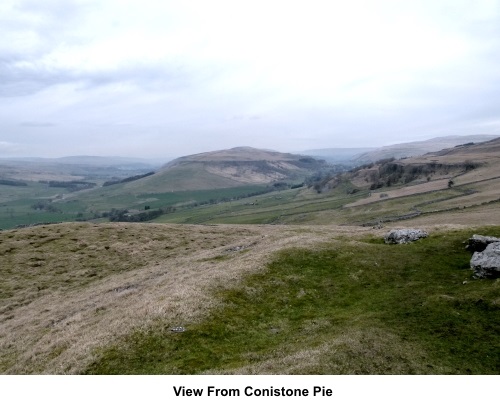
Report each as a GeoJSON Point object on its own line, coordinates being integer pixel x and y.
{"type": "Point", "coordinates": [479, 242]}
{"type": "Point", "coordinates": [486, 264]}
{"type": "Point", "coordinates": [400, 236]}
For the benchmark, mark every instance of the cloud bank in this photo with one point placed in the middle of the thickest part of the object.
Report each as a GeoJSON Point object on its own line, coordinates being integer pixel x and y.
{"type": "Point", "coordinates": [168, 78]}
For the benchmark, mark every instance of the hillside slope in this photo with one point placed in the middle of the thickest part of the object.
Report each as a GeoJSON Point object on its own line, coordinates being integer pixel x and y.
{"type": "Point", "coordinates": [243, 165]}
{"type": "Point", "coordinates": [458, 163]}
{"type": "Point", "coordinates": [458, 185]}
{"type": "Point", "coordinates": [420, 147]}
{"type": "Point", "coordinates": [228, 168]}
{"type": "Point", "coordinates": [461, 178]}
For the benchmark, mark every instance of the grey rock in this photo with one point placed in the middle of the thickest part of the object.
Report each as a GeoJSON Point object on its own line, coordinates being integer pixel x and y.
{"type": "Point", "coordinates": [479, 242]}
{"type": "Point", "coordinates": [486, 264]}
{"type": "Point", "coordinates": [404, 235]}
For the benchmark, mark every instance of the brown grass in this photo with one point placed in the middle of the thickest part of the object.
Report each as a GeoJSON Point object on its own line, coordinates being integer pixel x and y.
{"type": "Point", "coordinates": [144, 272]}
{"type": "Point", "coordinates": [477, 216]}
{"type": "Point", "coordinates": [367, 349]}
{"type": "Point", "coordinates": [441, 184]}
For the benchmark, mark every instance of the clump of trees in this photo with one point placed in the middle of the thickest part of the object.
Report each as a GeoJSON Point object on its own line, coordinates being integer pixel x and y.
{"type": "Point", "coordinates": [470, 165]}
{"type": "Point", "coordinates": [326, 179]}
{"type": "Point", "coordinates": [45, 206]}
{"type": "Point", "coordinates": [123, 215]}
{"type": "Point", "coordinates": [385, 173]}
{"type": "Point", "coordinates": [71, 186]}
{"type": "Point", "coordinates": [15, 183]}
{"type": "Point", "coordinates": [391, 172]}
{"type": "Point", "coordinates": [127, 179]}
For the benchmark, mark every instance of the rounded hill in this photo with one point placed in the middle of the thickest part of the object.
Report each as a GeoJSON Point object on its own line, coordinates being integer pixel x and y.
{"type": "Point", "coordinates": [229, 168]}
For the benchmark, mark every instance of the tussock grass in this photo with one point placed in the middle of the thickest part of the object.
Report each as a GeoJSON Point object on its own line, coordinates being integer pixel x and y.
{"type": "Point", "coordinates": [70, 289]}
{"type": "Point", "coordinates": [352, 307]}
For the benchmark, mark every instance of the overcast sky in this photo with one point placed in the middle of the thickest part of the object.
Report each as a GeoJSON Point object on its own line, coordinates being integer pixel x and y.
{"type": "Point", "coordinates": [168, 78]}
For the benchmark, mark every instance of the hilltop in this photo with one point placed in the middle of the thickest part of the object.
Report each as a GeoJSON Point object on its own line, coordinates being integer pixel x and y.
{"type": "Point", "coordinates": [238, 154]}
{"type": "Point", "coordinates": [233, 167]}
{"type": "Point", "coordinates": [419, 148]}
{"type": "Point", "coordinates": [337, 155]}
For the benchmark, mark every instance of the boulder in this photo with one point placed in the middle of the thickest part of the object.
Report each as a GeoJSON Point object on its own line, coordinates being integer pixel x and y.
{"type": "Point", "coordinates": [479, 242]}
{"type": "Point", "coordinates": [404, 235]}
{"type": "Point", "coordinates": [486, 264]}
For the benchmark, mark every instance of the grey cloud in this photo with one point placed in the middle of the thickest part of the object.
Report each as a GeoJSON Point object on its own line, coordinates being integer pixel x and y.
{"type": "Point", "coordinates": [20, 79]}
{"type": "Point", "coordinates": [42, 27]}
{"type": "Point", "coordinates": [47, 23]}
{"type": "Point", "coordinates": [149, 77]}
{"type": "Point", "coordinates": [197, 101]}
{"type": "Point", "coordinates": [23, 77]}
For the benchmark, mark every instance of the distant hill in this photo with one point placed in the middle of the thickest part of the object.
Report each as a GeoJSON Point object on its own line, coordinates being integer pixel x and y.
{"type": "Point", "coordinates": [94, 161]}
{"type": "Point", "coordinates": [337, 155]}
{"type": "Point", "coordinates": [420, 147]}
{"type": "Point", "coordinates": [228, 168]}
{"type": "Point", "coordinates": [93, 168]}
{"type": "Point", "coordinates": [471, 169]}
{"type": "Point", "coordinates": [484, 149]}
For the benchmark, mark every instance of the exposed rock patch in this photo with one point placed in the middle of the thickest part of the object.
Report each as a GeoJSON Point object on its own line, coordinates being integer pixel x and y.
{"type": "Point", "coordinates": [478, 243]}
{"type": "Point", "coordinates": [486, 264]}
{"type": "Point", "coordinates": [399, 236]}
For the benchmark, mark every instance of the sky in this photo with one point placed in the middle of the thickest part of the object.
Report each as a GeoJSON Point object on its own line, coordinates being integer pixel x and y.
{"type": "Point", "coordinates": [167, 78]}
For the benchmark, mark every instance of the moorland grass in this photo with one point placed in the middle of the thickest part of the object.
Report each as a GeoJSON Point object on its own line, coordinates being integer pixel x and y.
{"type": "Point", "coordinates": [365, 307]}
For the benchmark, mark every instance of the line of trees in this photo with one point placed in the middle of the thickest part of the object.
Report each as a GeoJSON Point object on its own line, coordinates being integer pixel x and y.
{"type": "Point", "coordinates": [385, 173]}
{"type": "Point", "coordinates": [15, 183]}
{"type": "Point", "coordinates": [73, 185]}
{"type": "Point", "coordinates": [123, 215]}
{"type": "Point", "coordinates": [127, 179]}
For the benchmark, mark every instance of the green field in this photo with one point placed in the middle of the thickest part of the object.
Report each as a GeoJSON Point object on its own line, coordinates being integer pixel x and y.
{"type": "Point", "coordinates": [230, 206]}
{"type": "Point", "coordinates": [16, 202]}
{"type": "Point", "coordinates": [276, 207]}
{"type": "Point", "coordinates": [355, 307]}
{"type": "Point", "coordinates": [16, 205]}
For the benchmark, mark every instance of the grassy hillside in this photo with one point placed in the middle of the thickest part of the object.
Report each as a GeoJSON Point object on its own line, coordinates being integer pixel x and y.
{"type": "Point", "coordinates": [419, 148]}
{"type": "Point", "coordinates": [233, 167]}
{"type": "Point", "coordinates": [103, 298]}
{"type": "Point", "coordinates": [460, 183]}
